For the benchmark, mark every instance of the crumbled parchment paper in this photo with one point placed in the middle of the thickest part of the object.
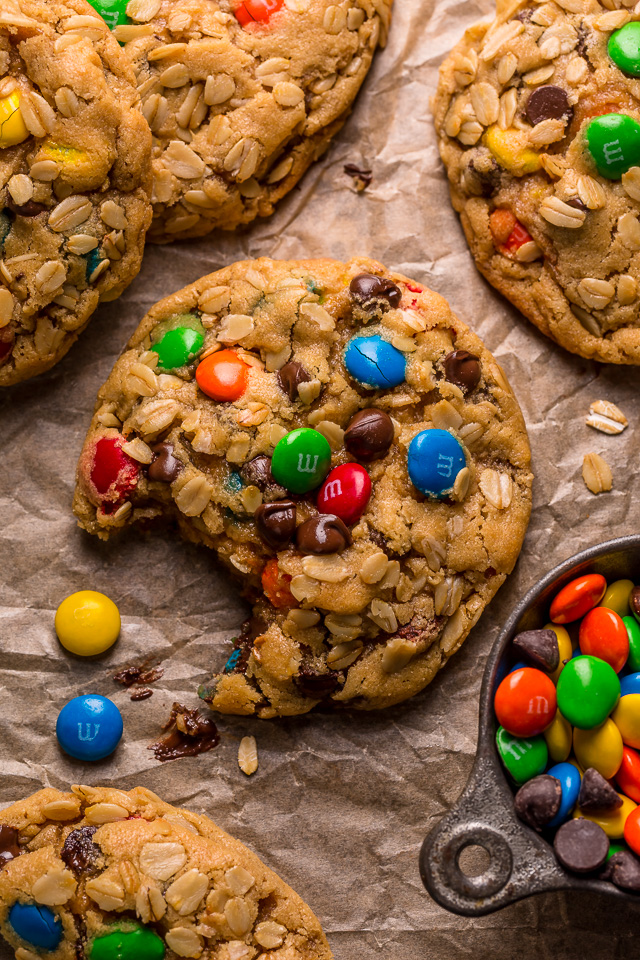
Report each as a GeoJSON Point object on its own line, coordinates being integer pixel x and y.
{"type": "Point", "coordinates": [340, 804]}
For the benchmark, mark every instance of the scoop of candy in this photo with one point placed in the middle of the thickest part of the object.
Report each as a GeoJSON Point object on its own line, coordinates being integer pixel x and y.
{"type": "Point", "coordinates": [569, 728]}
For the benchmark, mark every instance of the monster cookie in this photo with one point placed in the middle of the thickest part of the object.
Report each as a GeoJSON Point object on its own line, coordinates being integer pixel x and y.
{"type": "Point", "coordinates": [538, 116]}
{"type": "Point", "coordinates": [348, 447]}
{"type": "Point", "coordinates": [75, 178]}
{"type": "Point", "coordinates": [106, 875]}
{"type": "Point", "coordinates": [242, 97]}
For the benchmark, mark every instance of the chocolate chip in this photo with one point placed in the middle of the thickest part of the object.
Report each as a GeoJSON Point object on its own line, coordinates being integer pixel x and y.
{"type": "Point", "coordinates": [28, 209]}
{"type": "Point", "coordinates": [463, 369]}
{"type": "Point", "coordinates": [79, 852]}
{"type": "Point", "coordinates": [257, 472]}
{"type": "Point", "coordinates": [634, 601]}
{"type": "Point", "coordinates": [576, 203]}
{"type": "Point", "coordinates": [323, 534]}
{"type": "Point", "coordinates": [581, 845]}
{"type": "Point", "coordinates": [547, 103]}
{"type": "Point", "coordinates": [371, 292]}
{"type": "Point", "coordinates": [596, 794]}
{"type": "Point", "coordinates": [623, 869]}
{"type": "Point", "coordinates": [539, 647]}
{"type": "Point", "coordinates": [316, 686]}
{"type": "Point", "coordinates": [165, 467]}
{"type": "Point", "coordinates": [276, 522]}
{"type": "Point", "coordinates": [369, 435]}
{"type": "Point", "coordinates": [9, 847]}
{"type": "Point", "coordinates": [290, 377]}
{"type": "Point", "coordinates": [524, 15]}
{"type": "Point", "coordinates": [483, 175]}
{"type": "Point", "coordinates": [538, 801]}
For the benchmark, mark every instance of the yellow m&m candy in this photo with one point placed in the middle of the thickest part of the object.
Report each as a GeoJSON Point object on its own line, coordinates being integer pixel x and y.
{"type": "Point", "coordinates": [87, 623]}
{"type": "Point", "coordinates": [12, 126]}
{"type": "Point", "coordinates": [600, 748]}
{"type": "Point", "coordinates": [626, 717]}
{"type": "Point", "coordinates": [613, 822]}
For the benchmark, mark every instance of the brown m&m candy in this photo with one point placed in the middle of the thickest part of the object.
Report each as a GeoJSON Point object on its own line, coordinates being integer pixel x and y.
{"type": "Point", "coordinates": [9, 848]}
{"type": "Point", "coordinates": [369, 290]}
{"type": "Point", "coordinates": [581, 845]}
{"type": "Point", "coordinates": [276, 522]}
{"type": "Point", "coordinates": [539, 647]}
{"type": "Point", "coordinates": [547, 103]}
{"type": "Point", "coordinates": [463, 369]}
{"type": "Point", "coordinates": [290, 377]}
{"type": "Point", "coordinates": [596, 794]}
{"type": "Point", "coordinates": [323, 534]}
{"type": "Point", "coordinates": [165, 467]}
{"type": "Point", "coordinates": [369, 435]}
{"type": "Point", "coordinates": [538, 801]}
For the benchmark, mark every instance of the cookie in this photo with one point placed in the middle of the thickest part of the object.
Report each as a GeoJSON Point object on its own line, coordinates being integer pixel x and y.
{"type": "Point", "coordinates": [101, 873]}
{"type": "Point", "coordinates": [242, 97]}
{"type": "Point", "coordinates": [75, 178]}
{"type": "Point", "coordinates": [538, 118]}
{"type": "Point", "coordinates": [350, 450]}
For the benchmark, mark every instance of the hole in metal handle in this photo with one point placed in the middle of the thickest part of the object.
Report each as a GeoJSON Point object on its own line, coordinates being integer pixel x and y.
{"type": "Point", "coordinates": [498, 872]}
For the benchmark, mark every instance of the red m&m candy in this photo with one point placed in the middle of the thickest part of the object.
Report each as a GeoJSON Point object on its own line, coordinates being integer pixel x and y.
{"type": "Point", "coordinates": [604, 635]}
{"type": "Point", "coordinates": [525, 702]}
{"type": "Point", "coordinates": [252, 11]}
{"type": "Point", "coordinates": [113, 472]}
{"type": "Point", "coordinates": [345, 492]}
{"type": "Point", "coordinates": [628, 775]}
{"type": "Point", "coordinates": [578, 597]}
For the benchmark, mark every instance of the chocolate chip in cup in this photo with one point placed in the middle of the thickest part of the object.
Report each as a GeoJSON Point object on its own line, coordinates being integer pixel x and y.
{"type": "Point", "coordinates": [538, 801]}
{"type": "Point", "coordinates": [369, 434]}
{"type": "Point", "coordinates": [290, 377]}
{"type": "Point", "coordinates": [276, 522]}
{"type": "Point", "coordinates": [463, 369]}
{"type": "Point", "coordinates": [540, 648]}
{"type": "Point", "coordinates": [547, 103]}
{"type": "Point", "coordinates": [323, 534]}
{"type": "Point", "coordinates": [623, 869]}
{"type": "Point", "coordinates": [371, 291]}
{"type": "Point", "coordinates": [596, 794]}
{"type": "Point", "coordinates": [581, 846]}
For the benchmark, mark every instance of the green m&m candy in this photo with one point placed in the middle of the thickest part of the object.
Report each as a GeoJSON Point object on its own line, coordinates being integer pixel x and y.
{"type": "Point", "coordinates": [624, 48]}
{"type": "Point", "coordinates": [523, 757]}
{"type": "Point", "coordinates": [301, 460]}
{"type": "Point", "coordinates": [137, 944]}
{"type": "Point", "coordinates": [614, 143]}
{"type": "Point", "coordinates": [113, 12]}
{"type": "Point", "coordinates": [178, 341]}
{"type": "Point", "coordinates": [633, 632]}
{"type": "Point", "coordinates": [588, 690]}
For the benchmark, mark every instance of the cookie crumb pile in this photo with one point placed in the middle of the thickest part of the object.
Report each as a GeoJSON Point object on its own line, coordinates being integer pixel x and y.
{"type": "Point", "coordinates": [348, 447]}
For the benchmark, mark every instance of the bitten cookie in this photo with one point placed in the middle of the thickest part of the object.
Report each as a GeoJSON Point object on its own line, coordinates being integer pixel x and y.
{"type": "Point", "coordinates": [100, 873]}
{"type": "Point", "coordinates": [75, 178]}
{"type": "Point", "coordinates": [348, 447]}
{"type": "Point", "coordinates": [538, 115]}
{"type": "Point", "coordinates": [242, 97]}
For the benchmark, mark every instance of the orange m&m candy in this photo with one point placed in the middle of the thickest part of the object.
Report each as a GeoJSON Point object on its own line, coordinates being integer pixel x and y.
{"type": "Point", "coordinates": [223, 376]}
{"type": "Point", "coordinates": [628, 776]}
{"type": "Point", "coordinates": [603, 634]}
{"type": "Point", "coordinates": [578, 597]}
{"type": "Point", "coordinates": [632, 830]}
{"type": "Point", "coordinates": [525, 702]}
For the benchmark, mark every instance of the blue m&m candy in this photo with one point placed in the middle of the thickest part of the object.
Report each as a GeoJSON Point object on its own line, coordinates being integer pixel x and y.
{"type": "Point", "coordinates": [374, 362]}
{"type": "Point", "coordinates": [36, 924]}
{"type": "Point", "coordinates": [89, 727]}
{"type": "Point", "coordinates": [630, 684]}
{"type": "Point", "coordinates": [569, 777]}
{"type": "Point", "coordinates": [435, 460]}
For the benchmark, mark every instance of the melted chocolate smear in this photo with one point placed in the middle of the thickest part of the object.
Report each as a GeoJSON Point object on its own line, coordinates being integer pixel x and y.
{"type": "Point", "coordinates": [79, 852]}
{"type": "Point", "coordinates": [192, 734]}
{"type": "Point", "coordinates": [142, 694]}
{"type": "Point", "coordinates": [362, 178]}
{"type": "Point", "coordinates": [139, 676]}
{"type": "Point", "coordinates": [9, 847]}
{"type": "Point", "coordinates": [314, 685]}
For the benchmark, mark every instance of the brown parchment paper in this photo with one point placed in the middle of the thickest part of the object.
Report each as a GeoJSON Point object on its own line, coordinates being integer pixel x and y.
{"type": "Point", "coordinates": [340, 804]}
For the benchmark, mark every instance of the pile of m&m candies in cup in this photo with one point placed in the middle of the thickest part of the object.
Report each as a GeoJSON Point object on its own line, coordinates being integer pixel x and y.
{"type": "Point", "coordinates": [569, 728]}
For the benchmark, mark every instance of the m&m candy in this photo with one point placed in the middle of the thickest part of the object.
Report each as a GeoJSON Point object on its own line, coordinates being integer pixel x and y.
{"type": "Point", "coordinates": [177, 341]}
{"type": "Point", "coordinates": [525, 702]}
{"type": "Point", "coordinates": [564, 648]}
{"type": "Point", "coordinates": [141, 943]}
{"type": "Point", "coordinates": [301, 460]}
{"type": "Point", "coordinates": [626, 717]}
{"type": "Point", "coordinates": [13, 129]}
{"type": "Point", "coordinates": [345, 492]}
{"type": "Point", "coordinates": [628, 775]}
{"type": "Point", "coordinates": [113, 12]}
{"type": "Point", "coordinates": [87, 623]}
{"type": "Point", "coordinates": [577, 598]}
{"type": "Point", "coordinates": [523, 757]}
{"type": "Point", "coordinates": [600, 748]}
{"type": "Point", "coordinates": [613, 141]}
{"type": "Point", "coordinates": [89, 727]}
{"type": "Point", "coordinates": [559, 738]}
{"type": "Point", "coordinates": [630, 684]}
{"type": "Point", "coordinates": [624, 48]}
{"type": "Point", "coordinates": [256, 11]}
{"type": "Point", "coordinates": [374, 362]}
{"type": "Point", "coordinates": [603, 634]}
{"type": "Point", "coordinates": [569, 778]}
{"type": "Point", "coordinates": [223, 376]}
{"type": "Point", "coordinates": [633, 636]}
{"type": "Point", "coordinates": [617, 595]}
{"type": "Point", "coordinates": [612, 821]}
{"type": "Point", "coordinates": [36, 924]}
{"type": "Point", "coordinates": [113, 472]}
{"type": "Point", "coordinates": [434, 461]}
{"type": "Point", "coordinates": [588, 690]}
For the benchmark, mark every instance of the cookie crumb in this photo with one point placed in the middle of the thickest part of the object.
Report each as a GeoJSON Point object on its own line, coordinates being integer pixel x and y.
{"type": "Point", "coordinates": [596, 473]}
{"type": "Point", "coordinates": [606, 417]}
{"type": "Point", "coordinates": [361, 178]}
{"type": "Point", "coordinates": [248, 755]}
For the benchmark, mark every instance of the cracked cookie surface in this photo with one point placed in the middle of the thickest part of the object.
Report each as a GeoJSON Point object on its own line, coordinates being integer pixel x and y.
{"type": "Point", "coordinates": [550, 222]}
{"type": "Point", "coordinates": [272, 444]}
{"type": "Point", "coordinates": [242, 98]}
{"type": "Point", "coordinates": [100, 872]}
{"type": "Point", "coordinates": [75, 178]}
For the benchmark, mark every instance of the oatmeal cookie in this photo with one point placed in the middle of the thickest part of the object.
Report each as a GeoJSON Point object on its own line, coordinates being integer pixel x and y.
{"type": "Point", "coordinates": [103, 873]}
{"type": "Point", "coordinates": [75, 178]}
{"type": "Point", "coordinates": [348, 447]}
{"type": "Point", "coordinates": [538, 116]}
{"type": "Point", "coordinates": [242, 97]}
